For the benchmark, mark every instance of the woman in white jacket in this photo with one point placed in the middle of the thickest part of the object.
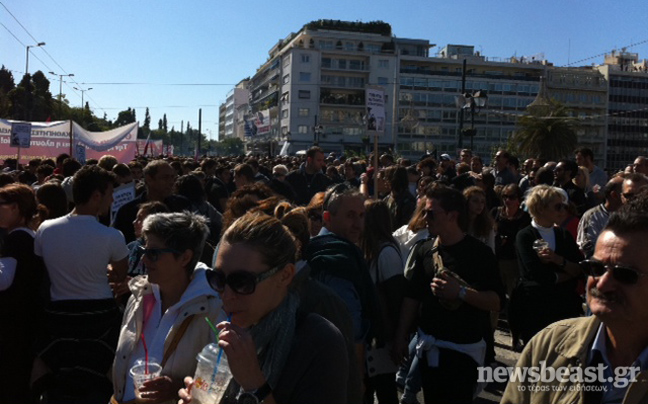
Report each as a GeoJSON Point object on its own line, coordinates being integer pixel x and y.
{"type": "Point", "coordinates": [166, 312]}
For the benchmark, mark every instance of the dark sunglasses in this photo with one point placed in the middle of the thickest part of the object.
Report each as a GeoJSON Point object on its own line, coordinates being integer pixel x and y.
{"type": "Point", "coordinates": [241, 282]}
{"type": "Point", "coordinates": [153, 254]}
{"type": "Point", "coordinates": [625, 275]}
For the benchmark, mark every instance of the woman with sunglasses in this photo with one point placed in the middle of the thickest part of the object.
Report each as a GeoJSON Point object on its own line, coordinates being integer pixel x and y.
{"type": "Point", "coordinates": [164, 319]}
{"type": "Point", "coordinates": [276, 353]}
{"type": "Point", "coordinates": [22, 277]}
{"type": "Point", "coordinates": [546, 292]}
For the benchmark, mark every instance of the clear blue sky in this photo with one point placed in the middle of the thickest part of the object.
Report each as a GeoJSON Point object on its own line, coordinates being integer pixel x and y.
{"type": "Point", "coordinates": [212, 45]}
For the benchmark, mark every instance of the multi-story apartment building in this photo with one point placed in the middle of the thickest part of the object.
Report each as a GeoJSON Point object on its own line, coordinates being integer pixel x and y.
{"type": "Point", "coordinates": [221, 121]}
{"type": "Point", "coordinates": [236, 103]}
{"type": "Point", "coordinates": [313, 84]}
{"type": "Point", "coordinates": [627, 120]}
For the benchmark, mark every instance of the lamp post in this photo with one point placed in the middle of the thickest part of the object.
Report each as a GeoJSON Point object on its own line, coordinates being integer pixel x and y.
{"type": "Point", "coordinates": [61, 90]}
{"type": "Point", "coordinates": [475, 102]}
{"type": "Point", "coordinates": [82, 92]}
{"type": "Point", "coordinates": [27, 55]}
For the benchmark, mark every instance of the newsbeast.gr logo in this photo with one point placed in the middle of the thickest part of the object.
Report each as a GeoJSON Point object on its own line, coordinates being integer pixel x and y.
{"type": "Point", "coordinates": [547, 374]}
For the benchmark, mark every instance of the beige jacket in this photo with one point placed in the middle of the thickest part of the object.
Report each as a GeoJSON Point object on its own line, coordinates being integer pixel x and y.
{"type": "Point", "coordinates": [564, 344]}
{"type": "Point", "coordinates": [199, 300]}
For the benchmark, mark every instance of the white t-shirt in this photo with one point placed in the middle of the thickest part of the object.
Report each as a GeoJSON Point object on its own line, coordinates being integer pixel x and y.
{"type": "Point", "coordinates": [389, 262]}
{"type": "Point", "coordinates": [76, 250]}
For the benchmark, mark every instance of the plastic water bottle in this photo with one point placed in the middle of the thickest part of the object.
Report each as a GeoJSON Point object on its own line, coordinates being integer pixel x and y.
{"type": "Point", "coordinates": [212, 376]}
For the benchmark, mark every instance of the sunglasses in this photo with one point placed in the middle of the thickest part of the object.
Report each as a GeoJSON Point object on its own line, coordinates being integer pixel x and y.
{"type": "Point", "coordinates": [509, 196]}
{"type": "Point", "coordinates": [153, 254]}
{"type": "Point", "coordinates": [625, 275]}
{"type": "Point", "coordinates": [241, 282]}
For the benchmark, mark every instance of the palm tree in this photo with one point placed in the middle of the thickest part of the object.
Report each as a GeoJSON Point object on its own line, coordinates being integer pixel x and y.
{"type": "Point", "coordinates": [546, 131]}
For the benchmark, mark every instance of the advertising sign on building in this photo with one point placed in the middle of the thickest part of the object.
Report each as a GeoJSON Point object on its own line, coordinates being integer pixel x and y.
{"type": "Point", "coordinates": [375, 103]}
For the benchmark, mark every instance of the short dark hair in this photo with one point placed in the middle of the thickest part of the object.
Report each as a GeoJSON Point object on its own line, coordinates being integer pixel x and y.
{"type": "Point", "coordinates": [152, 168]}
{"type": "Point", "coordinates": [571, 166]}
{"type": "Point", "coordinates": [632, 217]}
{"type": "Point", "coordinates": [612, 186]}
{"type": "Point", "coordinates": [313, 151]}
{"type": "Point", "coordinates": [451, 200]}
{"type": "Point", "coordinates": [90, 179]}
{"type": "Point", "coordinates": [585, 152]}
{"type": "Point", "coordinates": [245, 170]}
{"type": "Point", "coordinates": [70, 167]}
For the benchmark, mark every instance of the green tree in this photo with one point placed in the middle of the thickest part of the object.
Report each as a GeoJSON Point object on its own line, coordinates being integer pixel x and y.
{"type": "Point", "coordinates": [125, 117]}
{"type": "Point", "coordinates": [147, 122]}
{"type": "Point", "coordinates": [6, 85]}
{"type": "Point", "coordinates": [547, 132]}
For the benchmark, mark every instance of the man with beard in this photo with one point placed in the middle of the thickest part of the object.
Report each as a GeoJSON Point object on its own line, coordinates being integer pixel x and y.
{"type": "Point", "coordinates": [612, 345]}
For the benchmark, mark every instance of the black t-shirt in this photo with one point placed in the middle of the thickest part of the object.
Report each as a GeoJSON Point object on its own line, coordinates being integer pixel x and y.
{"type": "Point", "coordinates": [476, 264]}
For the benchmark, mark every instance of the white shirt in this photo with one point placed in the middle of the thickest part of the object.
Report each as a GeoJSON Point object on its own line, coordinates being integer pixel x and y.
{"type": "Point", "coordinates": [547, 234]}
{"type": "Point", "coordinates": [76, 250]}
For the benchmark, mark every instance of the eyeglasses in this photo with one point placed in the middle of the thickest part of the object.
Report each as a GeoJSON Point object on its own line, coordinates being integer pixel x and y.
{"type": "Point", "coordinates": [241, 282]}
{"type": "Point", "coordinates": [509, 196]}
{"type": "Point", "coordinates": [153, 254]}
{"type": "Point", "coordinates": [625, 275]}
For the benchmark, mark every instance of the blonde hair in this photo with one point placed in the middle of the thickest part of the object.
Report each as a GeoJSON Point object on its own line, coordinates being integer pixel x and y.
{"type": "Point", "coordinates": [540, 197]}
{"type": "Point", "coordinates": [585, 173]}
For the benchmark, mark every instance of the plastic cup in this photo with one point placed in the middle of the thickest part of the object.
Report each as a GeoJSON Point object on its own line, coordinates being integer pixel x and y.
{"type": "Point", "coordinates": [209, 387]}
{"type": "Point", "coordinates": [141, 374]}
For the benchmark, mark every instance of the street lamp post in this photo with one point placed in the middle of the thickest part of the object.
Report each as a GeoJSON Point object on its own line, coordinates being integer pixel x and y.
{"type": "Point", "coordinates": [27, 55]}
{"type": "Point", "coordinates": [82, 103]}
{"type": "Point", "coordinates": [61, 90]}
{"type": "Point", "coordinates": [475, 102]}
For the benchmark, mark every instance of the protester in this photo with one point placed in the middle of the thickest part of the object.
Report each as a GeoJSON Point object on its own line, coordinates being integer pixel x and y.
{"type": "Point", "coordinates": [594, 220]}
{"type": "Point", "coordinates": [309, 179]}
{"type": "Point", "coordinates": [480, 222]}
{"type": "Point", "coordinates": [609, 346]}
{"type": "Point", "coordinates": [400, 201]}
{"type": "Point", "coordinates": [165, 316]}
{"type": "Point", "coordinates": [451, 315]}
{"type": "Point", "coordinates": [22, 292]}
{"type": "Point", "coordinates": [386, 269]}
{"type": "Point", "coordinates": [82, 319]}
{"type": "Point", "coordinates": [548, 277]}
{"type": "Point", "coordinates": [304, 357]}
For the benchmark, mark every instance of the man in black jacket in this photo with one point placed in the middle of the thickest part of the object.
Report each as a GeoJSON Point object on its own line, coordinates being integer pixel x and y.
{"type": "Point", "coordinates": [309, 179]}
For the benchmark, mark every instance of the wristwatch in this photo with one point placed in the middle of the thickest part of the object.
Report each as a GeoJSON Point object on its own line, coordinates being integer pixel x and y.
{"type": "Point", "coordinates": [462, 293]}
{"type": "Point", "coordinates": [255, 396]}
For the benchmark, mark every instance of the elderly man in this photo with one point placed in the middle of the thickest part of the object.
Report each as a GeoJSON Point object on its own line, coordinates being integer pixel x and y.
{"type": "Point", "coordinates": [602, 358]}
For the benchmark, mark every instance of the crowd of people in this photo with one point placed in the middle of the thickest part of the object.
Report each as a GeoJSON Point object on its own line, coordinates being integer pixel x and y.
{"type": "Point", "coordinates": [330, 279]}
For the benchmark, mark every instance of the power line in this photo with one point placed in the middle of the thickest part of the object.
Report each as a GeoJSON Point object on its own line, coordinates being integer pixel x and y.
{"type": "Point", "coordinates": [605, 53]}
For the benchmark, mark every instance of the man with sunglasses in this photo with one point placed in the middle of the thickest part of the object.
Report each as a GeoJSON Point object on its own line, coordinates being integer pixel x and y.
{"type": "Point", "coordinates": [452, 316]}
{"type": "Point", "coordinates": [612, 345]}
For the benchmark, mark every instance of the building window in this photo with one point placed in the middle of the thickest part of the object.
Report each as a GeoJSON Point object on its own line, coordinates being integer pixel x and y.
{"type": "Point", "coordinates": [304, 94]}
{"type": "Point", "coordinates": [304, 111]}
{"type": "Point", "coordinates": [383, 63]}
{"type": "Point", "coordinates": [342, 64]}
{"type": "Point", "coordinates": [304, 76]}
{"type": "Point", "coordinates": [305, 58]}
{"type": "Point", "coordinates": [286, 79]}
{"type": "Point", "coordinates": [286, 61]}
{"type": "Point", "coordinates": [350, 46]}
{"type": "Point", "coordinates": [325, 44]}
{"type": "Point", "coordinates": [284, 113]}
{"type": "Point", "coordinates": [382, 81]}
{"type": "Point", "coordinates": [326, 63]}
{"type": "Point", "coordinates": [302, 129]}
